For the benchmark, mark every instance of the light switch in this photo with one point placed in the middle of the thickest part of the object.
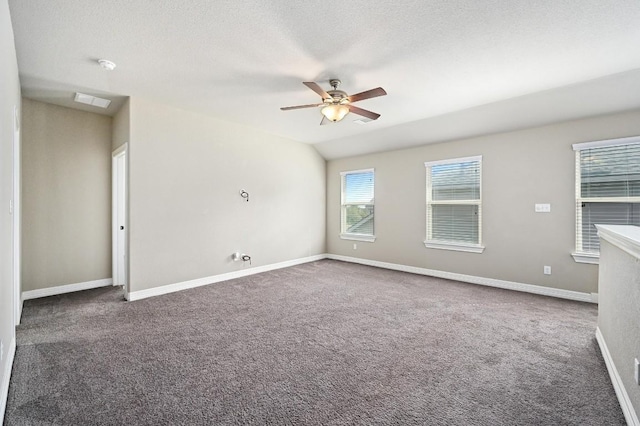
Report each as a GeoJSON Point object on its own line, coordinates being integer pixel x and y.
{"type": "Point", "coordinates": [543, 208]}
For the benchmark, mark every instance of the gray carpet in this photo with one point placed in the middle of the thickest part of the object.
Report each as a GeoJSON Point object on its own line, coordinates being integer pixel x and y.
{"type": "Point", "coordinates": [325, 343]}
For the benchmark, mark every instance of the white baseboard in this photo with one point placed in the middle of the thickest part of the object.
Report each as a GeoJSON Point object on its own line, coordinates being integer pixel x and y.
{"type": "Point", "coordinates": [491, 282]}
{"type": "Point", "coordinates": [621, 392]}
{"type": "Point", "coordinates": [20, 306]}
{"type": "Point", "coordinates": [509, 285]}
{"type": "Point", "coordinates": [6, 377]}
{"type": "Point", "coordinates": [62, 289]}
{"type": "Point", "coordinates": [198, 282]}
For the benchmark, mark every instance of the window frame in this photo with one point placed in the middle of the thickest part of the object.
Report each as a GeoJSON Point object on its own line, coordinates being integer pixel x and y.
{"type": "Point", "coordinates": [579, 255]}
{"type": "Point", "coordinates": [353, 236]}
{"type": "Point", "coordinates": [429, 242]}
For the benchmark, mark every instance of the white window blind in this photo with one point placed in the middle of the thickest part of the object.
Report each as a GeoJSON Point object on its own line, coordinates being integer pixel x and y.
{"type": "Point", "coordinates": [454, 204]}
{"type": "Point", "coordinates": [357, 212]}
{"type": "Point", "coordinates": [607, 189]}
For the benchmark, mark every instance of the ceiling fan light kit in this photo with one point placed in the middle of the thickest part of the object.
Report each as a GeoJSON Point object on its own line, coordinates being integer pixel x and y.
{"type": "Point", "coordinates": [335, 112]}
{"type": "Point", "coordinates": [336, 104]}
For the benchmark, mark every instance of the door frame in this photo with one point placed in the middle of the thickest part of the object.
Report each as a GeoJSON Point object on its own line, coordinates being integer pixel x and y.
{"type": "Point", "coordinates": [122, 150]}
{"type": "Point", "coordinates": [16, 222]}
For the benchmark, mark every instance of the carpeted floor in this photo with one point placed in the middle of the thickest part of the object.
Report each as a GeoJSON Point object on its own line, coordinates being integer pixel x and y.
{"type": "Point", "coordinates": [327, 343]}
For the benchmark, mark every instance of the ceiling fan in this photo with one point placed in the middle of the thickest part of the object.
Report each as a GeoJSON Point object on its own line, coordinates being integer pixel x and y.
{"type": "Point", "coordinates": [337, 103]}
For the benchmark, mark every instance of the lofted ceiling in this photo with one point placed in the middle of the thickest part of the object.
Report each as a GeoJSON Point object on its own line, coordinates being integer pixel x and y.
{"type": "Point", "coordinates": [451, 68]}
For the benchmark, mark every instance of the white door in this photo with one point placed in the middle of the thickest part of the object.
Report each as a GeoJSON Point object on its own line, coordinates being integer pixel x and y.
{"type": "Point", "coordinates": [119, 217]}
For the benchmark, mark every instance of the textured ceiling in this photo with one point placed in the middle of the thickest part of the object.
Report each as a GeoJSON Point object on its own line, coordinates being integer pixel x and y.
{"type": "Point", "coordinates": [445, 64]}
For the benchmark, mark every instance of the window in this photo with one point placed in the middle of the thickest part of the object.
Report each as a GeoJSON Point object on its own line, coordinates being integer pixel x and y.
{"type": "Point", "coordinates": [607, 190]}
{"type": "Point", "coordinates": [454, 204]}
{"type": "Point", "coordinates": [357, 220]}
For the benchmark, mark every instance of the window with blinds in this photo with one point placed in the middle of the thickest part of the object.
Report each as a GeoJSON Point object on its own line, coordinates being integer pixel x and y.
{"type": "Point", "coordinates": [454, 204]}
{"type": "Point", "coordinates": [357, 210]}
{"type": "Point", "coordinates": [607, 189]}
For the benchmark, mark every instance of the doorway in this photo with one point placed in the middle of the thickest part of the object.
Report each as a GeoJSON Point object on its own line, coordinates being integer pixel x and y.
{"type": "Point", "coordinates": [119, 219]}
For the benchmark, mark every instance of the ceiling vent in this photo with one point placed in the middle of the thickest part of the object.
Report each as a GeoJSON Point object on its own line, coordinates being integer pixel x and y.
{"type": "Point", "coordinates": [92, 100]}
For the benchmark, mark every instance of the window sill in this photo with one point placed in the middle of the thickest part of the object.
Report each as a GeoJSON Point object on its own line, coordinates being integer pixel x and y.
{"type": "Point", "coordinates": [358, 237]}
{"type": "Point", "coordinates": [443, 245]}
{"type": "Point", "coordinates": [586, 258]}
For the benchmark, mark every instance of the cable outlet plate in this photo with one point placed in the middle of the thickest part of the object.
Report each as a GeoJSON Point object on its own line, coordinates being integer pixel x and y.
{"type": "Point", "coordinates": [547, 270]}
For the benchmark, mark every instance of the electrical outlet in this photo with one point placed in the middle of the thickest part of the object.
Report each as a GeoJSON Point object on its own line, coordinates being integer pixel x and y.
{"type": "Point", "coordinates": [543, 208]}
{"type": "Point", "coordinates": [637, 371]}
{"type": "Point", "coordinates": [547, 270]}
{"type": "Point", "coordinates": [355, 246]}
{"type": "Point", "coordinates": [2, 351]}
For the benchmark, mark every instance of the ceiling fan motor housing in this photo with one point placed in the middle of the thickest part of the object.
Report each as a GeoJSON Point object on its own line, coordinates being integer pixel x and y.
{"type": "Point", "coordinates": [337, 97]}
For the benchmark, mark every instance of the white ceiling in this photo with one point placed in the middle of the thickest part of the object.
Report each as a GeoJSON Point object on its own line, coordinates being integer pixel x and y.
{"type": "Point", "coordinates": [451, 68]}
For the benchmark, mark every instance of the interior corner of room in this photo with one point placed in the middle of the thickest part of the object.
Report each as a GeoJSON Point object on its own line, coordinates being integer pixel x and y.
{"type": "Point", "coordinates": [161, 192]}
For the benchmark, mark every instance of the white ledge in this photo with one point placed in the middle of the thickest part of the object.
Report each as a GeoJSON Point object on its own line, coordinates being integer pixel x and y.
{"type": "Point", "coordinates": [591, 258]}
{"type": "Point", "coordinates": [358, 237]}
{"type": "Point", "coordinates": [625, 237]}
{"type": "Point", "coordinates": [442, 245]}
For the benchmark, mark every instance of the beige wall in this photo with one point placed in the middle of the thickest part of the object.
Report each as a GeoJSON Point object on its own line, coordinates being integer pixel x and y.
{"type": "Point", "coordinates": [619, 313]}
{"type": "Point", "coordinates": [121, 126]}
{"type": "Point", "coordinates": [186, 215]}
{"type": "Point", "coordinates": [519, 169]}
{"type": "Point", "coordinates": [66, 169]}
{"type": "Point", "coordinates": [9, 99]}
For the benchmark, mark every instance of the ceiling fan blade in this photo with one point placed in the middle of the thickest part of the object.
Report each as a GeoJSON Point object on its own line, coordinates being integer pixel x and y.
{"type": "Point", "coordinates": [299, 107]}
{"type": "Point", "coordinates": [363, 112]}
{"type": "Point", "coordinates": [314, 86]}
{"type": "Point", "coordinates": [373, 93]}
{"type": "Point", "coordinates": [324, 121]}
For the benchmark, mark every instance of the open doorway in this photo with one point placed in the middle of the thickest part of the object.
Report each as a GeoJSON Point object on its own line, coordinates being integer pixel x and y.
{"type": "Point", "coordinates": [119, 218]}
